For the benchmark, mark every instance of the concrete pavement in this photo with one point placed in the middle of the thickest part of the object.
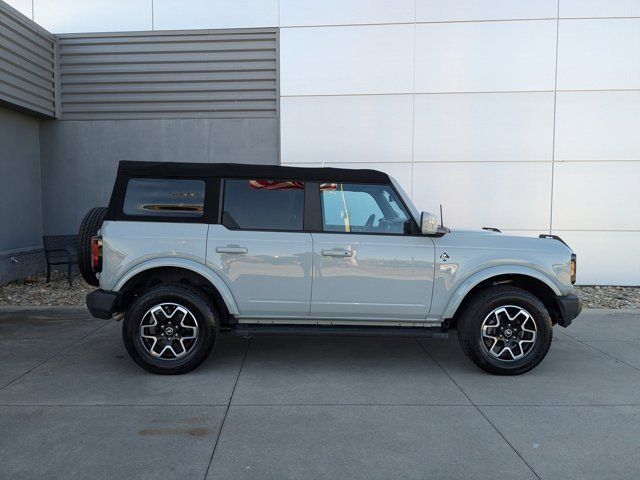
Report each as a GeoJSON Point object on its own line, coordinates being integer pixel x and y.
{"type": "Point", "coordinates": [72, 404]}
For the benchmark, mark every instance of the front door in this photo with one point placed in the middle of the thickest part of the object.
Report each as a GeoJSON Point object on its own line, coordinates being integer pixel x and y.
{"type": "Point", "coordinates": [367, 263]}
{"type": "Point", "coordinates": [261, 250]}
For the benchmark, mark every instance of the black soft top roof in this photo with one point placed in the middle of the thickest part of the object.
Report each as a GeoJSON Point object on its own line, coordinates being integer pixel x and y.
{"type": "Point", "coordinates": [243, 170]}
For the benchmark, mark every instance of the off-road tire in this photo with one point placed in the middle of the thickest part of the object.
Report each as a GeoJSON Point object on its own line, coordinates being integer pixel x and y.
{"type": "Point", "coordinates": [192, 299]}
{"type": "Point", "coordinates": [481, 305]}
{"type": "Point", "coordinates": [89, 227]}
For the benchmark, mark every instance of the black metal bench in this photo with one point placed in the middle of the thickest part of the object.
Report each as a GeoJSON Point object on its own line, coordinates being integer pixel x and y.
{"type": "Point", "coordinates": [60, 250]}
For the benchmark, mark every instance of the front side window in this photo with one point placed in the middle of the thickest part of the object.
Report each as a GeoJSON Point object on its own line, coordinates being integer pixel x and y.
{"type": "Point", "coordinates": [362, 208]}
{"type": "Point", "coordinates": [256, 204]}
{"type": "Point", "coordinates": [164, 197]}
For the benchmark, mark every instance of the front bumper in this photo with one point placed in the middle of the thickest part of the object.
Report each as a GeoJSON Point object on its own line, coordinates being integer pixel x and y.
{"type": "Point", "coordinates": [570, 307]}
{"type": "Point", "coordinates": [102, 304]}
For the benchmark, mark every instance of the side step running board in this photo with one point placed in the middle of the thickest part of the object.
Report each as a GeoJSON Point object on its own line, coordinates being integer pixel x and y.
{"type": "Point", "coordinates": [340, 330]}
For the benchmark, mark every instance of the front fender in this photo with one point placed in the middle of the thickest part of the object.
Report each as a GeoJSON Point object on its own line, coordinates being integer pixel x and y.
{"type": "Point", "coordinates": [467, 285]}
{"type": "Point", "coordinates": [191, 265]}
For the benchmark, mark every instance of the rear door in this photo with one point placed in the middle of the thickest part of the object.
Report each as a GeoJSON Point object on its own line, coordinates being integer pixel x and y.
{"type": "Point", "coordinates": [260, 248]}
{"type": "Point", "coordinates": [368, 265]}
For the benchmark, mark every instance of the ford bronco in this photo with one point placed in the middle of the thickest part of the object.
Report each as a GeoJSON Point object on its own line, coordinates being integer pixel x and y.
{"type": "Point", "coordinates": [185, 251]}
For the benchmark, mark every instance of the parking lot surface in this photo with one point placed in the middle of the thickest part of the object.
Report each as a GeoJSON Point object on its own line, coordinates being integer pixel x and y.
{"type": "Point", "coordinates": [73, 405]}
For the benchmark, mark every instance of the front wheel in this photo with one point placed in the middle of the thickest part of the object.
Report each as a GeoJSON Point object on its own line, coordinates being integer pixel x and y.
{"type": "Point", "coordinates": [505, 330]}
{"type": "Point", "coordinates": [170, 329]}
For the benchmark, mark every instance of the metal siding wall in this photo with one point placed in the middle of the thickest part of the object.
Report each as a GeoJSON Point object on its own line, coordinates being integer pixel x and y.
{"type": "Point", "coordinates": [26, 63]}
{"type": "Point", "coordinates": [182, 74]}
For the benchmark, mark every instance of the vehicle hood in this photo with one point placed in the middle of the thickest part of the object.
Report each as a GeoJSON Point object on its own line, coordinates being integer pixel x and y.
{"type": "Point", "coordinates": [459, 254]}
{"type": "Point", "coordinates": [479, 238]}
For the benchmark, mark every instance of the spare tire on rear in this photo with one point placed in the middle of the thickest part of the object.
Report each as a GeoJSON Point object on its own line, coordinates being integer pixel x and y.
{"type": "Point", "coordinates": [89, 227]}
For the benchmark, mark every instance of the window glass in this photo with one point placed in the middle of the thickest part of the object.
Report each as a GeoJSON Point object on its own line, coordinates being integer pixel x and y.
{"type": "Point", "coordinates": [163, 197]}
{"type": "Point", "coordinates": [263, 204]}
{"type": "Point", "coordinates": [354, 208]}
{"type": "Point", "coordinates": [391, 197]}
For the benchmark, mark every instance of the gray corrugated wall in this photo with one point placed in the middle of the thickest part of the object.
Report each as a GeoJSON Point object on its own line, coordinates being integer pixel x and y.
{"type": "Point", "coordinates": [27, 63]}
{"type": "Point", "coordinates": [27, 66]}
{"type": "Point", "coordinates": [200, 96]}
{"type": "Point", "coordinates": [196, 96]}
{"type": "Point", "coordinates": [204, 73]}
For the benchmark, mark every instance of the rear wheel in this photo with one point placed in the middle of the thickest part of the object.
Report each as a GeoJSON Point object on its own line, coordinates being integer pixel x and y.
{"type": "Point", "coordinates": [170, 329]}
{"type": "Point", "coordinates": [89, 227]}
{"type": "Point", "coordinates": [505, 330]}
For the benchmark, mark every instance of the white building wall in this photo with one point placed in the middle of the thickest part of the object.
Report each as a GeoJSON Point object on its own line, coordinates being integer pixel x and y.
{"type": "Point", "coordinates": [519, 114]}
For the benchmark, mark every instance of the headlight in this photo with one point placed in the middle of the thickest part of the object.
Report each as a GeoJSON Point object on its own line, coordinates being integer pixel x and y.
{"type": "Point", "coordinates": [573, 268]}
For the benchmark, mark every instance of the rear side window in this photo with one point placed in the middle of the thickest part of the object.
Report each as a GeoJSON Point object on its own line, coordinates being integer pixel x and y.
{"type": "Point", "coordinates": [163, 197]}
{"type": "Point", "coordinates": [255, 204]}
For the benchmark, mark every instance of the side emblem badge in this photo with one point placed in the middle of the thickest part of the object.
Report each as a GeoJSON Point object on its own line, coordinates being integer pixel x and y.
{"type": "Point", "coordinates": [444, 257]}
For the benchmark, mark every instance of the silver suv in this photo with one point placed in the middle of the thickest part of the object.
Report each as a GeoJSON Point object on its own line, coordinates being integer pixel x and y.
{"type": "Point", "coordinates": [187, 251]}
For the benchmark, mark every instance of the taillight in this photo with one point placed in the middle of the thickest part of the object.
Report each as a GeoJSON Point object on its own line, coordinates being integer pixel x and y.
{"type": "Point", "coordinates": [96, 254]}
{"type": "Point", "coordinates": [573, 268]}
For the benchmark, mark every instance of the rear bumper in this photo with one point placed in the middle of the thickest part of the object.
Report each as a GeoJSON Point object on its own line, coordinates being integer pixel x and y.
{"type": "Point", "coordinates": [570, 307]}
{"type": "Point", "coordinates": [102, 304]}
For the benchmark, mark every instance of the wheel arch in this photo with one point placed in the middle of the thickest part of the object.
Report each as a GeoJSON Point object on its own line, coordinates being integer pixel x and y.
{"type": "Point", "coordinates": [176, 271]}
{"type": "Point", "coordinates": [527, 279]}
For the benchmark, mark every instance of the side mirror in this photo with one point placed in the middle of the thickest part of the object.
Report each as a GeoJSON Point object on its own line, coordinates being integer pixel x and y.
{"type": "Point", "coordinates": [428, 223]}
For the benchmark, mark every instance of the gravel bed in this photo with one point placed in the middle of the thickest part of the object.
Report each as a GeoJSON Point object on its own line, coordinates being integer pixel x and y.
{"type": "Point", "coordinates": [35, 291]}
{"type": "Point", "coordinates": [608, 296]}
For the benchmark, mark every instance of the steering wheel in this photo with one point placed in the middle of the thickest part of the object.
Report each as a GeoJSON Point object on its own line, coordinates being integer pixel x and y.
{"type": "Point", "coordinates": [370, 220]}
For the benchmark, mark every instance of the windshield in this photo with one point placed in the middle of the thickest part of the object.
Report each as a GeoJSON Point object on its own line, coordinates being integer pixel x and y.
{"type": "Point", "coordinates": [407, 200]}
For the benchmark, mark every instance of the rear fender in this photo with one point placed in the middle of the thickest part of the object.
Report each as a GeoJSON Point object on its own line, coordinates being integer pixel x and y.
{"type": "Point", "coordinates": [215, 279]}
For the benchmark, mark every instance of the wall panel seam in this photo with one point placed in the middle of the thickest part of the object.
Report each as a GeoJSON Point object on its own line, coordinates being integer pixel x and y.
{"type": "Point", "coordinates": [413, 97]}
{"type": "Point", "coordinates": [440, 22]}
{"type": "Point", "coordinates": [294, 95]}
{"type": "Point", "coordinates": [428, 162]}
{"type": "Point", "coordinates": [555, 103]}
{"type": "Point", "coordinates": [437, 22]}
{"type": "Point", "coordinates": [464, 92]}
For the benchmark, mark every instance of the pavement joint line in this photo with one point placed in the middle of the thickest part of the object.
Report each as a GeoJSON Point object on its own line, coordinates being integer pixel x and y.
{"type": "Point", "coordinates": [566, 405]}
{"type": "Point", "coordinates": [250, 405]}
{"type": "Point", "coordinates": [589, 342]}
{"type": "Point", "coordinates": [477, 408]}
{"type": "Point", "coordinates": [53, 356]}
{"type": "Point", "coordinates": [119, 405]}
{"type": "Point", "coordinates": [434, 405]}
{"type": "Point", "coordinates": [226, 412]}
{"type": "Point", "coordinates": [348, 405]}
{"type": "Point", "coordinates": [608, 341]}
{"type": "Point", "coordinates": [609, 355]}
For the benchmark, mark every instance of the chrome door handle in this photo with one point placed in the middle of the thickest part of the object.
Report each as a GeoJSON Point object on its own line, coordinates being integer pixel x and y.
{"type": "Point", "coordinates": [337, 252]}
{"type": "Point", "coordinates": [231, 249]}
